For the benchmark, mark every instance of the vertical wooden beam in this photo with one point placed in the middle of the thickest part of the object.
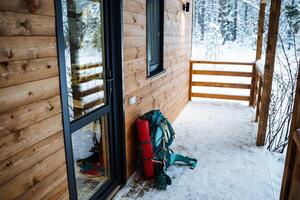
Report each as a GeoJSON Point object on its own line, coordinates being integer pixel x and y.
{"type": "Point", "coordinates": [259, 45]}
{"type": "Point", "coordinates": [253, 91]}
{"type": "Point", "coordinates": [260, 32]}
{"type": "Point", "coordinates": [269, 70]}
{"type": "Point", "coordinates": [292, 148]}
{"type": "Point", "coordinates": [191, 80]}
{"type": "Point", "coordinates": [258, 100]}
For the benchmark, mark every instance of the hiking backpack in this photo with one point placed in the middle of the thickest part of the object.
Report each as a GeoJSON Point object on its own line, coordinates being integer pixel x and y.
{"type": "Point", "coordinates": [162, 135]}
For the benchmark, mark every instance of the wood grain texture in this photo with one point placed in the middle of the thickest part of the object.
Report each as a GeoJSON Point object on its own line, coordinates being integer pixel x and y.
{"type": "Point", "coordinates": [24, 116]}
{"type": "Point", "coordinates": [269, 70]}
{"type": "Point", "coordinates": [258, 99]}
{"type": "Point", "coordinates": [168, 91]}
{"type": "Point", "coordinates": [40, 7]}
{"type": "Point", "coordinates": [19, 24]}
{"type": "Point", "coordinates": [24, 94]}
{"type": "Point", "coordinates": [291, 179]}
{"type": "Point", "coordinates": [18, 72]}
{"type": "Point", "coordinates": [32, 155]}
{"type": "Point", "coordinates": [221, 96]}
{"type": "Point", "coordinates": [31, 177]}
{"type": "Point", "coordinates": [222, 85]}
{"type": "Point", "coordinates": [24, 160]}
{"type": "Point", "coordinates": [23, 48]}
{"type": "Point", "coordinates": [222, 73]}
{"type": "Point", "coordinates": [260, 31]}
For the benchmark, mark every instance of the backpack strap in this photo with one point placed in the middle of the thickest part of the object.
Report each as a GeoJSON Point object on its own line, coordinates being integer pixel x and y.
{"type": "Point", "coordinates": [163, 179]}
{"type": "Point", "coordinates": [173, 158]}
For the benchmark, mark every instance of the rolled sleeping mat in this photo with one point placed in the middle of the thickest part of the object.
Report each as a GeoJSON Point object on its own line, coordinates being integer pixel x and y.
{"type": "Point", "coordinates": [146, 147]}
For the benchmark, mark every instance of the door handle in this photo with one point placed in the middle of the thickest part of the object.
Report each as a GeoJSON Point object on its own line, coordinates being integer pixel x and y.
{"type": "Point", "coordinates": [109, 82]}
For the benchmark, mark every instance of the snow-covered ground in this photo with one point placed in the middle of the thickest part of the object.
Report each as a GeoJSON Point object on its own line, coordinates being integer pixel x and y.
{"type": "Point", "coordinates": [221, 135]}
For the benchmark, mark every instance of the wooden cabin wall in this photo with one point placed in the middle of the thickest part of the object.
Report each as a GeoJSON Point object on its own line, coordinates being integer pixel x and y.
{"type": "Point", "coordinates": [32, 156]}
{"type": "Point", "coordinates": [167, 91]}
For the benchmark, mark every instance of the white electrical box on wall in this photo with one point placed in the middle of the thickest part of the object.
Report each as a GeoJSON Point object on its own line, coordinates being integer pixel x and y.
{"type": "Point", "coordinates": [132, 100]}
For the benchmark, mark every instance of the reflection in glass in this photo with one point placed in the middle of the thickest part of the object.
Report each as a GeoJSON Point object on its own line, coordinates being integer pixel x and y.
{"type": "Point", "coordinates": [90, 152]}
{"type": "Point", "coordinates": [84, 55]}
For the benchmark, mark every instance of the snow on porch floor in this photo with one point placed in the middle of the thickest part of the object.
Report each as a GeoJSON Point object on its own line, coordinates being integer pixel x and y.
{"type": "Point", "coordinates": [221, 135]}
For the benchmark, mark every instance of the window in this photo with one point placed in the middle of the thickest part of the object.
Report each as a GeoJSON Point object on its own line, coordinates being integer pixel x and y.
{"type": "Point", "coordinates": [85, 56]}
{"type": "Point", "coordinates": [155, 18]}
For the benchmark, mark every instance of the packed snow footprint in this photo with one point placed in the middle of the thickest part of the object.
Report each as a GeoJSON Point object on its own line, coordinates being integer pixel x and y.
{"type": "Point", "coordinates": [221, 135]}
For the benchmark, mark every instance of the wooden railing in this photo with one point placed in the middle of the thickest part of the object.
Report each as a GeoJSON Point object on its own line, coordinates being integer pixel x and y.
{"type": "Point", "coordinates": [261, 75]}
{"type": "Point", "coordinates": [251, 86]}
{"type": "Point", "coordinates": [259, 78]}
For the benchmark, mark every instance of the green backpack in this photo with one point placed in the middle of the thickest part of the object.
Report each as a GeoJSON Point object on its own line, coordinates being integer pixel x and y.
{"type": "Point", "coordinates": [162, 136]}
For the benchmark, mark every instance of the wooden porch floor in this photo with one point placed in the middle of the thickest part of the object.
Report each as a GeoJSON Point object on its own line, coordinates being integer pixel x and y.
{"type": "Point", "coordinates": [222, 136]}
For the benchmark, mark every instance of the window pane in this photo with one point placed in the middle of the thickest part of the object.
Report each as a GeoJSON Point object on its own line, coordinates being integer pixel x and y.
{"type": "Point", "coordinates": [84, 39]}
{"type": "Point", "coordinates": [153, 34]}
{"type": "Point", "coordinates": [91, 158]}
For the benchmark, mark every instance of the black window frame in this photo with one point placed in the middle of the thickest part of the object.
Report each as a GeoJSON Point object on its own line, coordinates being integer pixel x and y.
{"type": "Point", "coordinates": [115, 112]}
{"type": "Point", "coordinates": [157, 67]}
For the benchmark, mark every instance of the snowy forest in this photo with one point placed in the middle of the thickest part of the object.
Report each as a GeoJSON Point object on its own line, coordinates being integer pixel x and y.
{"type": "Point", "coordinates": [227, 29]}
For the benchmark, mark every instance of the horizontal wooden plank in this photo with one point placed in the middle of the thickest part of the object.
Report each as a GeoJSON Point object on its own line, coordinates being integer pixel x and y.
{"type": "Point", "coordinates": [158, 95]}
{"type": "Point", "coordinates": [134, 30]}
{"type": "Point", "coordinates": [135, 6]}
{"type": "Point", "coordinates": [25, 159]}
{"type": "Point", "coordinates": [40, 7]}
{"type": "Point", "coordinates": [222, 73]}
{"type": "Point", "coordinates": [135, 65]}
{"type": "Point", "coordinates": [134, 53]}
{"type": "Point", "coordinates": [20, 95]}
{"type": "Point", "coordinates": [17, 119]}
{"type": "Point", "coordinates": [60, 192]}
{"type": "Point", "coordinates": [16, 24]}
{"type": "Point", "coordinates": [134, 41]}
{"type": "Point", "coordinates": [43, 189]}
{"type": "Point", "coordinates": [13, 73]}
{"type": "Point", "coordinates": [22, 48]}
{"type": "Point", "coordinates": [173, 7]}
{"type": "Point", "coordinates": [134, 18]}
{"type": "Point", "coordinates": [222, 85]}
{"type": "Point", "coordinates": [221, 96]}
{"type": "Point", "coordinates": [21, 140]}
{"type": "Point", "coordinates": [221, 62]}
{"type": "Point", "coordinates": [31, 177]}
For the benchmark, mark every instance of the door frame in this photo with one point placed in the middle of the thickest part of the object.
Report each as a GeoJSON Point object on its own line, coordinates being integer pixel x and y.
{"type": "Point", "coordinates": [114, 13]}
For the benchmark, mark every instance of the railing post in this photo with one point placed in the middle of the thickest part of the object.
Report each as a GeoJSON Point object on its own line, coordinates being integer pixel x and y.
{"type": "Point", "coordinates": [190, 80]}
{"type": "Point", "coordinates": [258, 99]}
{"type": "Point", "coordinates": [269, 70]}
{"type": "Point", "coordinates": [259, 46]}
{"type": "Point", "coordinates": [253, 92]}
{"type": "Point", "coordinates": [260, 32]}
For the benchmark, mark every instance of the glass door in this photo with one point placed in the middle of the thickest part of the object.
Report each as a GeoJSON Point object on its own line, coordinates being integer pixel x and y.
{"type": "Point", "coordinates": [88, 83]}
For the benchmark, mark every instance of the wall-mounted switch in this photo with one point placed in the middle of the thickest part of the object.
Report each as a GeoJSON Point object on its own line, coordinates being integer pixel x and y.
{"type": "Point", "coordinates": [132, 100]}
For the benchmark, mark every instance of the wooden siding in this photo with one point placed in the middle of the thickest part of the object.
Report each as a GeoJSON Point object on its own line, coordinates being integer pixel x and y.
{"type": "Point", "coordinates": [32, 156]}
{"type": "Point", "coordinates": [167, 91]}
